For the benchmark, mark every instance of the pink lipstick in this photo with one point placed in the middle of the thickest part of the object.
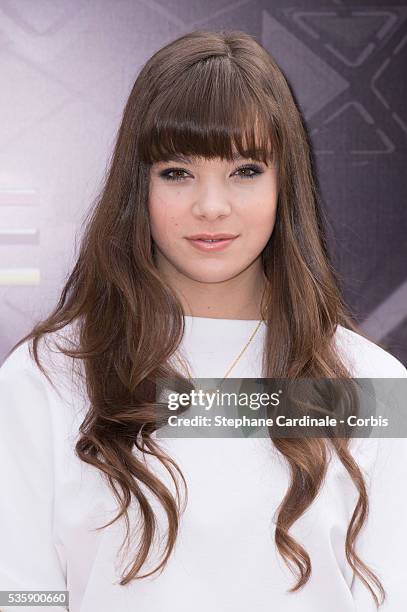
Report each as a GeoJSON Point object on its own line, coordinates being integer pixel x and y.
{"type": "Point", "coordinates": [211, 242]}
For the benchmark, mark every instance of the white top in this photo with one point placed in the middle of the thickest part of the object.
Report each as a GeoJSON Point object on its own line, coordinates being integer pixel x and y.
{"type": "Point", "coordinates": [225, 557]}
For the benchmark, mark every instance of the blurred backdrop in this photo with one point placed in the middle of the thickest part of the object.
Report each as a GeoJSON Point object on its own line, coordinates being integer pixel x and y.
{"type": "Point", "coordinates": [67, 69]}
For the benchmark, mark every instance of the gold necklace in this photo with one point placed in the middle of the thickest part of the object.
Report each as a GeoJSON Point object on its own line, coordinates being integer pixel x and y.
{"type": "Point", "coordinates": [236, 360]}
{"type": "Point", "coordinates": [242, 351]}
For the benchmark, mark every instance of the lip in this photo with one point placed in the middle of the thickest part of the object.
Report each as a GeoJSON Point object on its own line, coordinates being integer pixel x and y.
{"type": "Point", "coordinates": [211, 236]}
{"type": "Point", "coordinates": [211, 246]}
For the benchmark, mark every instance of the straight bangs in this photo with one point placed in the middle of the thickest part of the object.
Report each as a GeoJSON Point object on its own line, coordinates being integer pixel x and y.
{"type": "Point", "coordinates": [208, 111]}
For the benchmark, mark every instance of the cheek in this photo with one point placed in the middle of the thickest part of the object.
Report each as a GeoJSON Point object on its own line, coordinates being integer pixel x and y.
{"type": "Point", "coordinates": [260, 216]}
{"type": "Point", "coordinates": [259, 221]}
{"type": "Point", "coordinates": [165, 216]}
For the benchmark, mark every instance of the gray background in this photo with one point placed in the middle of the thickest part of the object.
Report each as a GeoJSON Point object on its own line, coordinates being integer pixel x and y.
{"type": "Point", "coordinates": [67, 69]}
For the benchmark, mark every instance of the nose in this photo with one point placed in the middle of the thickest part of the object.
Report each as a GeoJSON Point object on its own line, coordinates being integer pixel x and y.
{"type": "Point", "coordinates": [212, 202]}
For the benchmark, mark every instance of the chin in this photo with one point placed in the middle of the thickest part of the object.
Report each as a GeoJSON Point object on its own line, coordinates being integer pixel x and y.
{"type": "Point", "coordinates": [208, 276]}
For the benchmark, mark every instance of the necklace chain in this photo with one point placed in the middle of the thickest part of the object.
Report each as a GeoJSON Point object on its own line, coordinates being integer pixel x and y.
{"type": "Point", "coordinates": [238, 357]}
{"type": "Point", "coordinates": [242, 351]}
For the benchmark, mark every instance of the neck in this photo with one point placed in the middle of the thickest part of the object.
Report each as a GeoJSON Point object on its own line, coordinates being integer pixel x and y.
{"type": "Point", "coordinates": [235, 298]}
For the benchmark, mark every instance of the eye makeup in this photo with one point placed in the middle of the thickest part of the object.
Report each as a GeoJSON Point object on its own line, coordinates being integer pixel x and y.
{"type": "Point", "coordinates": [250, 171]}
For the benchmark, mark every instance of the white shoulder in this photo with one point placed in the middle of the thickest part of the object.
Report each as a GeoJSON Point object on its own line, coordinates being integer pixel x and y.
{"type": "Point", "coordinates": [20, 378]}
{"type": "Point", "coordinates": [64, 374]}
{"type": "Point", "coordinates": [18, 359]}
{"type": "Point", "coordinates": [366, 359]}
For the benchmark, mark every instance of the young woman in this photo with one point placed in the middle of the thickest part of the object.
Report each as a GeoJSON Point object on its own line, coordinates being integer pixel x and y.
{"type": "Point", "coordinates": [211, 146]}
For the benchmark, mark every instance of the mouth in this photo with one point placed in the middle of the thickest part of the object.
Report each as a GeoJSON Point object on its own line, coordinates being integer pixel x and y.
{"type": "Point", "coordinates": [204, 243]}
{"type": "Point", "coordinates": [211, 237]}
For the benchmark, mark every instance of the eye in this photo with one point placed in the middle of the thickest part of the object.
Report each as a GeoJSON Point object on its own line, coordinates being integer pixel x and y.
{"type": "Point", "coordinates": [251, 167]}
{"type": "Point", "coordinates": [166, 174]}
{"type": "Point", "coordinates": [249, 171]}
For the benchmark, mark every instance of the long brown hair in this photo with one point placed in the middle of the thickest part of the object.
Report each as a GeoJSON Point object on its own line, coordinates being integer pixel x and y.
{"type": "Point", "coordinates": [202, 94]}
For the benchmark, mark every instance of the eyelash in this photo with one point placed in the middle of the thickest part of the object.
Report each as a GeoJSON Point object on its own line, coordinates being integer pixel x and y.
{"type": "Point", "coordinates": [165, 174]}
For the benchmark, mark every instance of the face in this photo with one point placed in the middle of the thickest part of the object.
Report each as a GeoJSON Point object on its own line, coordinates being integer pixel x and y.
{"type": "Point", "coordinates": [198, 195]}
